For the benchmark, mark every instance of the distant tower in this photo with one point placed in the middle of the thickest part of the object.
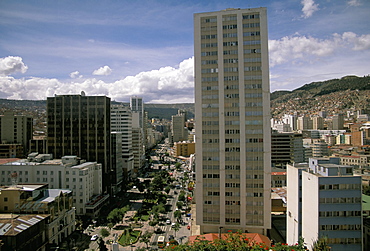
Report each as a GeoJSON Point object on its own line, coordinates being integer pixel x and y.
{"type": "Point", "coordinates": [16, 129]}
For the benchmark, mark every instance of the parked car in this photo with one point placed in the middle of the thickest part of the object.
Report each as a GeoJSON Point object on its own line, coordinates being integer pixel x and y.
{"type": "Point", "coordinates": [94, 237]}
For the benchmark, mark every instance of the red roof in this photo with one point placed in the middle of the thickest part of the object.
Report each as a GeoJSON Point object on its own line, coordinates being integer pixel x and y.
{"type": "Point", "coordinates": [7, 160]}
{"type": "Point", "coordinates": [253, 237]}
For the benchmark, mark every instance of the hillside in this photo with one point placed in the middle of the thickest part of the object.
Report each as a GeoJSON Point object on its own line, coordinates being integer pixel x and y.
{"type": "Point", "coordinates": [348, 93]}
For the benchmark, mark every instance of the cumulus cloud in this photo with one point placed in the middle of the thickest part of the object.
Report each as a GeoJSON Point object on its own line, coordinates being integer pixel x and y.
{"type": "Point", "coordinates": [75, 74]}
{"type": "Point", "coordinates": [309, 7]}
{"type": "Point", "coordinates": [9, 65]}
{"type": "Point", "coordinates": [165, 85]}
{"type": "Point", "coordinates": [308, 48]}
{"type": "Point", "coordinates": [354, 3]}
{"type": "Point", "coordinates": [103, 71]}
{"type": "Point", "coordinates": [358, 43]}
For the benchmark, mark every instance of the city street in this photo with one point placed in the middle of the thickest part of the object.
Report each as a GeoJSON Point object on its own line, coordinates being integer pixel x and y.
{"type": "Point", "coordinates": [166, 228]}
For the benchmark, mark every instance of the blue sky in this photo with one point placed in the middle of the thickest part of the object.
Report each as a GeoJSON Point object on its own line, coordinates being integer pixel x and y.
{"type": "Point", "coordinates": [121, 48]}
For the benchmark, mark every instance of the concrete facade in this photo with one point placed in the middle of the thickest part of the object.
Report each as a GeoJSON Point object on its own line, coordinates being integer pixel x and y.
{"type": "Point", "coordinates": [324, 200]}
{"type": "Point", "coordinates": [232, 112]}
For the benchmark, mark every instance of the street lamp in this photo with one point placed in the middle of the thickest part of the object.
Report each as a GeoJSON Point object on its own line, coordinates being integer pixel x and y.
{"type": "Point", "coordinates": [219, 232]}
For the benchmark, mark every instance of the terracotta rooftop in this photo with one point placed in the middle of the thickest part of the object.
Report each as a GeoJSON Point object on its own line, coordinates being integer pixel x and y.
{"type": "Point", "coordinates": [253, 237]}
{"type": "Point", "coordinates": [7, 160]}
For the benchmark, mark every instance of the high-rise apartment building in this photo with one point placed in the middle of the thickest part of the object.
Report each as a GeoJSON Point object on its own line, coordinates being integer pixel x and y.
{"type": "Point", "coordinates": [232, 109]}
{"type": "Point", "coordinates": [79, 125]}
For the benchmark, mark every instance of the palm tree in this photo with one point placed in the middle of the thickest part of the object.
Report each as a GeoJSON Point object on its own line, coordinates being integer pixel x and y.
{"type": "Point", "coordinates": [321, 244]}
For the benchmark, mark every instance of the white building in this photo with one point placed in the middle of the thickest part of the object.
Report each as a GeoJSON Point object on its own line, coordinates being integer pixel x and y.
{"type": "Point", "coordinates": [232, 112]}
{"type": "Point", "coordinates": [121, 121]}
{"type": "Point", "coordinates": [83, 178]}
{"type": "Point", "coordinates": [324, 200]}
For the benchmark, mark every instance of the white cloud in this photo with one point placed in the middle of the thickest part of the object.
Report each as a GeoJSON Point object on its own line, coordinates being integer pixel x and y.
{"type": "Point", "coordinates": [309, 7]}
{"type": "Point", "coordinates": [165, 85]}
{"type": "Point", "coordinates": [358, 43]}
{"type": "Point", "coordinates": [75, 74]}
{"type": "Point", "coordinates": [354, 3]}
{"type": "Point", "coordinates": [9, 65]}
{"type": "Point", "coordinates": [103, 71]}
{"type": "Point", "coordinates": [293, 48]}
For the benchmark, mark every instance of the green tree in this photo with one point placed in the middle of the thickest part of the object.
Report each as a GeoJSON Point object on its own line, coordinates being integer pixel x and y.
{"type": "Point", "coordinates": [234, 242]}
{"type": "Point", "coordinates": [182, 196]}
{"type": "Point", "coordinates": [177, 214]}
{"type": "Point", "coordinates": [321, 244]}
{"type": "Point", "coordinates": [167, 189]}
{"type": "Point", "coordinates": [176, 227]}
{"type": "Point", "coordinates": [110, 225]}
{"type": "Point", "coordinates": [117, 214]}
{"type": "Point", "coordinates": [145, 238]}
{"type": "Point", "coordinates": [104, 232]}
{"type": "Point", "coordinates": [159, 209]}
{"type": "Point", "coordinates": [179, 204]}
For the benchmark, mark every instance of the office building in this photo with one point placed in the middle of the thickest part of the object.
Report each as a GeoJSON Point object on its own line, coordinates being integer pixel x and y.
{"type": "Point", "coordinates": [179, 131]}
{"type": "Point", "coordinates": [16, 130]}
{"type": "Point", "coordinates": [286, 148]}
{"type": "Point", "coordinates": [304, 123]}
{"type": "Point", "coordinates": [121, 121]}
{"type": "Point", "coordinates": [83, 178]}
{"type": "Point", "coordinates": [324, 200]}
{"type": "Point", "coordinates": [138, 133]}
{"type": "Point", "coordinates": [79, 125]}
{"type": "Point", "coordinates": [232, 112]}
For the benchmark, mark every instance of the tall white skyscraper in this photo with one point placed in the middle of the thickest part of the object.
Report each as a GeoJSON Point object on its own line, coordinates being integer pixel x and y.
{"type": "Point", "coordinates": [232, 109]}
{"type": "Point", "coordinates": [121, 121]}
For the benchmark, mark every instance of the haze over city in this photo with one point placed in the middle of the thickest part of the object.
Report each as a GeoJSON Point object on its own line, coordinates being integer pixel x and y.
{"type": "Point", "coordinates": [145, 48]}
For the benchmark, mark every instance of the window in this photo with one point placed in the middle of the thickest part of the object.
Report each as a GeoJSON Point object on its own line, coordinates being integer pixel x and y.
{"type": "Point", "coordinates": [230, 27]}
{"type": "Point", "coordinates": [252, 33]}
{"type": "Point", "coordinates": [5, 199]}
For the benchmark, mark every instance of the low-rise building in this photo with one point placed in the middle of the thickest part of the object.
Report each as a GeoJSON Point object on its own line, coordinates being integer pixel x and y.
{"type": "Point", "coordinates": [184, 148]}
{"type": "Point", "coordinates": [83, 178]}
{"type": "Point", "coordinates": [24, 232]}
{"type": "Point", "coordinates": [37, 198]}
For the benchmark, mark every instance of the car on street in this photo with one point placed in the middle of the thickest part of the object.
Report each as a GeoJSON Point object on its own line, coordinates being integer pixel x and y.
{"type": "Point", "coordinates": [173, 224]}
{"type": "Point", "coordinates": [168, 222]}
{"type": "Point", "coordinates": [171, 237]}
{"type": "Point", "coordinates": [94, 237]}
